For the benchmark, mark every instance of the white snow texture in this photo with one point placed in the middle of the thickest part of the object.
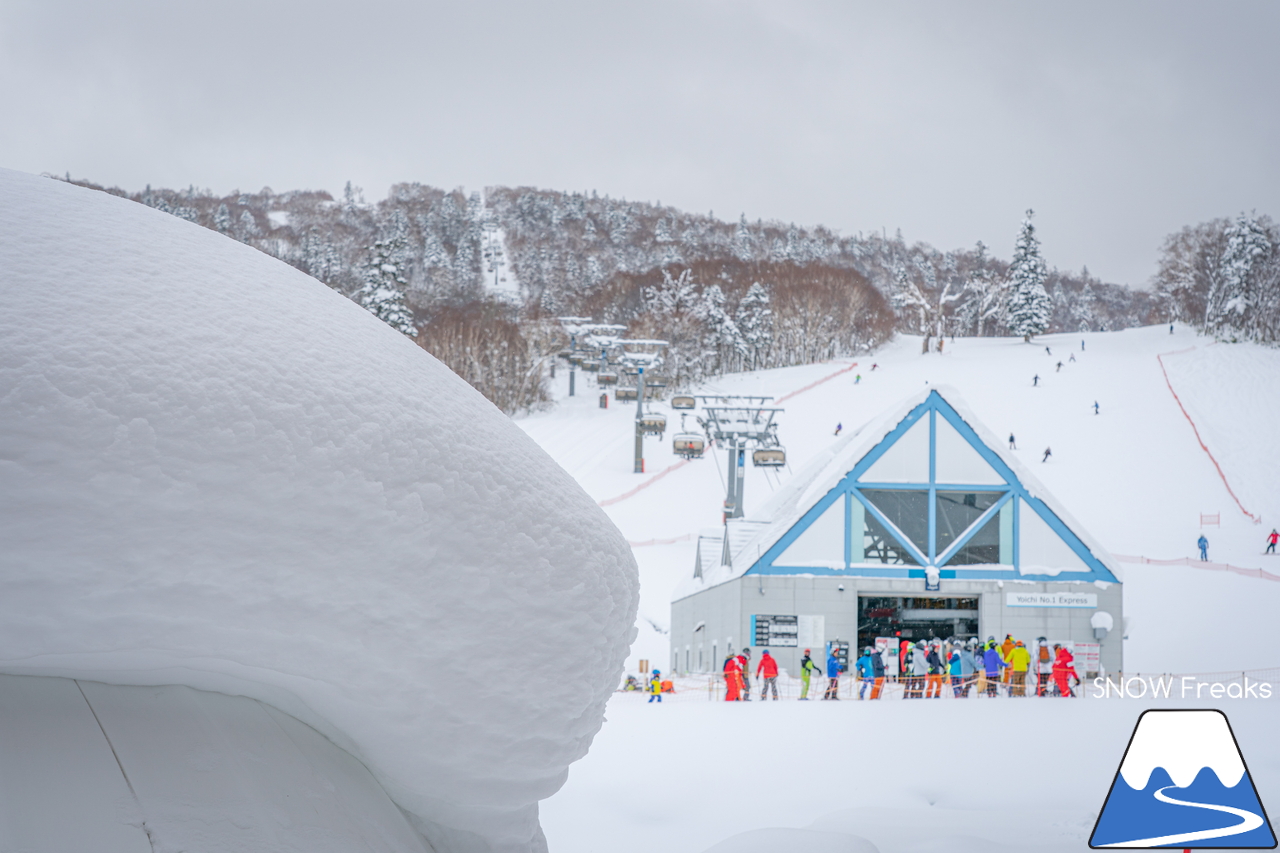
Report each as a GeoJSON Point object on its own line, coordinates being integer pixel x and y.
{"type": "Point", "coordinates": [216, 472]}
{"type": "Point", "coordinates": [1183, 743]}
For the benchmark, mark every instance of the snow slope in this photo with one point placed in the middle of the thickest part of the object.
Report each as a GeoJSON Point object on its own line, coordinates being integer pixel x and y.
{"type": "Point", "coordinates": [1133, 475]}
{"type": "Point", "coordinates": [217, 472]}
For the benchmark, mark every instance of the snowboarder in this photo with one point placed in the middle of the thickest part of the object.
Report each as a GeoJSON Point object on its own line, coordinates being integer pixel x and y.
{"type": "Point", "coordinates": [807, 669]}
{"type": "Point", "coordinates": [655, 687]}
{"type": "Point", "coordinates": [1013, 445]}
{"type": "Point", "coordinates": [1095, 407]}
{"type": "Point", "coordinates": [732, 680]}
{"type": "Point", "coordinates": [744, 664]}
{"type": "Point", "coordinates": [1272, 538]}
{"type": "Point", "coordinates": [1047, 453]}
{"type": "Point", "coordinates": [1062, 669]}
{"type": "Point", "coordinates": [833, 676]}
{"type": "Point", "coordinates": [767, 671]}
{"type": "Point", "coordinates": [1035, 380]}
{"type": "Point", "coordinates": [1203, 544]}
{"type": "Point", "coordinates": [838, 428]}
{"type": "Point", "coordinates": [1059, 370]}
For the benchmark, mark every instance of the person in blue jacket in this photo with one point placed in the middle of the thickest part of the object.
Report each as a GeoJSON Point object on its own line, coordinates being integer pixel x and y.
{"type": "Point", "coordinates": [955, 666]}
{"type": "Point", "coordinates": [992, 663]}
{"type": "Point", "coordinates": [833, 676]}
{"type": "Point", "coordinates": [1203, 544]}
{"type": "Point", "coordinates": [865, 672]}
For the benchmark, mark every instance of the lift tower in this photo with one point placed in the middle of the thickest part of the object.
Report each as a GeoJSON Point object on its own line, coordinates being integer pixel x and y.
{"type": "Point", "coordinates": [738, 423]}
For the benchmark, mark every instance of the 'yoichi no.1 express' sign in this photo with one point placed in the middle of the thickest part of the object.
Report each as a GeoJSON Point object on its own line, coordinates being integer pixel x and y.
{"type": "Point", "coordinates": [1052, 599]}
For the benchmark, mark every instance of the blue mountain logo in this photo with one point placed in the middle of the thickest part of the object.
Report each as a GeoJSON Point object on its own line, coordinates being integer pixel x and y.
{"type": "Point", "coordinates": [1183, 783]}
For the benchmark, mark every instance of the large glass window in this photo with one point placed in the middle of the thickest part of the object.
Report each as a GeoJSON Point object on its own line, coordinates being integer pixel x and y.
{"type": "Point", "coordinates": [907, 510]}
{"type": "Point", "coordinates": [983, 548]}
{"type": "Point", "coordinates": [957, 511]}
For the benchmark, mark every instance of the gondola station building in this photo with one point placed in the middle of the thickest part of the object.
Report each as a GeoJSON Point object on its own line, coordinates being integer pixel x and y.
{"type": "Point", "coordinates": [915, 527]}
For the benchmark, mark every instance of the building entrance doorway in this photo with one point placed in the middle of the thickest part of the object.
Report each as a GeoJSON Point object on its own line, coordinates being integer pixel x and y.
{"type": "Point", "coordinates": [914, 618]}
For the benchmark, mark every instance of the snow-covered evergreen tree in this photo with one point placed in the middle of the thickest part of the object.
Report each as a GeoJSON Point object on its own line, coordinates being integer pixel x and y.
{"type": "Point", "coordinates": [1233, 301]}
{"type": "Point", "coordinates": [755, 322]}
{"type": "Point", "coordinates": [382, 289]}
{"type": "Point", "coordinates": [1029, 306]}
{"type": "Point", "coordinates": [222, 218]}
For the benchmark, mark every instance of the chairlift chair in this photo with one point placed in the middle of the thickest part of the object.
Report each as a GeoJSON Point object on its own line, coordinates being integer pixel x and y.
{"type": "Point", "coordinates": [625, 393]}
{"type": "Point", "coordinates": [684, 401]}
{"type": "Point", "coordinates": [577, 358]}
{"type": "Point", "coordinates": [653, 423]}
{"type": "Point", "coordinates": [690, 445]}
{"type": "Point", "coordinates": [769, 457]}
{"type": "Point", "coordinates": [607, 377]}
{"type": "Point", "coordinates": [590, 365]}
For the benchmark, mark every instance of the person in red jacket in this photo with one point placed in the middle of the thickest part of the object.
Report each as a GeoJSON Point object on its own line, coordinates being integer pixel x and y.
{"type": "Point", "coordinates": [732, 679]}
{"type": "Point", "coordinates": [768, 671]}
{"type": "Point", "coordinates": [1063, 666]}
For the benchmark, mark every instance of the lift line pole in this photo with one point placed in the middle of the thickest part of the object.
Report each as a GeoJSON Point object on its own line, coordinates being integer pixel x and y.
{"type": "Point", "coordinates": [639, 467]}
{"type": "Point", "coordinates": [573, 346]}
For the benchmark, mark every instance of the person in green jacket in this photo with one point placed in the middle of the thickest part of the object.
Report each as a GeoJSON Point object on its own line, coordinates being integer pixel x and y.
{"type": "Point", "coordinates": [807, 668]}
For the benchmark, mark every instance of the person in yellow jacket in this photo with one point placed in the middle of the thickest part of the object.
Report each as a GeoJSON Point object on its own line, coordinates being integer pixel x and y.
{"type": "Point", "coordinates": [1019, 661]}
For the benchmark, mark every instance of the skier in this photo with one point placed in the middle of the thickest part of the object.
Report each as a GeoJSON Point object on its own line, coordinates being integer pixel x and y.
{"type": "Point", "coordinates": [1272, 538]}
{"type": "Point", "coordinates": [1044, 666]}
{"type": "Point", "coordinates": [874, 366]}
{"type": "Point", "coordinates": [1095, 407]}
{"type": "Point", "coordinates": [1035, 380]}
{"type": "Point", "coordinates": [732, 680]}
{"type": "Point", "coordinates": [992, 663]}
{"type": "Point", "coordinates": [1171, 328]}
{"type": "Point", "coordinates": [1047, 453]}
{"type": "Point", "coordinates": [1019, 663]}
{"type": "Point", "coordinates": [1072, 358]}
{"type": "Point", "coordinates": [955, 664]}
{"type": "Point", "coordinates": [1047, 351]}
{"type": "Point", "coordinates": [838, 428]}
{"type": "Point", "coordinates": [1082, 345]}
{"type": "Point", "coordinates": [1204, 548]}
{"type": "Point", "coordinates": [744, 665]}
{"type": "Point", "coordinates": [866, 679]}
{"type": "Point", "coordinates": [655, 687]}
{"type": "Point", "coordinates": [919, 669]}
{"type": "Point", "coordinates": [1059, 370]}
{"type": "Point", "coordinates": [833, 676]}
{"type": "Point", "coordinates": [857, 377]}
{"type": "Point", "coordinates": [1006, 649]}
{"type": "Point", "coordinates": [767, 670]}
{"type": "Point", "coordinates": [877, 673]}
{"type": "Point", "coordinates": [937, 670]}
{"type": "Point", "coordinates": [1062, 667]}
{"type": "Point", "coordinates": [807, 669]}
{"type": "Point", "coordinates": [1013, 445]}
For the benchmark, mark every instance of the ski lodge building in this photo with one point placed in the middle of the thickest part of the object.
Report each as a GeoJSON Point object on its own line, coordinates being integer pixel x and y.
{"type": "Point", "coordinates": [918, 527]}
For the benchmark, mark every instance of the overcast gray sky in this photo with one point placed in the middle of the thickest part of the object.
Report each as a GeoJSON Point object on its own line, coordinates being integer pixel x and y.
{"type": "Point", "coordinates": [1117, 122]}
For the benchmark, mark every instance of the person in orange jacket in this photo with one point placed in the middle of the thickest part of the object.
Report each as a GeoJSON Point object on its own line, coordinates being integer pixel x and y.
{"type": "Point", "coordinates": [1063, 667]}
{"type": "Point", "coordinates": [732, 679]}
{"type": "Point", "coordinates": [767, 671]}
{"type": "Point", "coordinates": [1005, 649]}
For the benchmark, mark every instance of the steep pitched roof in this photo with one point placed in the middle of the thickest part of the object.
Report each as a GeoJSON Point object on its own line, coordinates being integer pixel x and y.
{"type": "Point", "coordinates": [931, 446]}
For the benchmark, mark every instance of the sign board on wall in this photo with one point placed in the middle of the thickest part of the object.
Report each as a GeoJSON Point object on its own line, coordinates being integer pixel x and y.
{"type": "Point", "coordinates": [812, 632]}
{"type": "Point", "coordinates": [1087, 658]}
{"type": "Point", "coordinates": [1051, 599]}
{"type": "Point", "coordinates": [775, 631]}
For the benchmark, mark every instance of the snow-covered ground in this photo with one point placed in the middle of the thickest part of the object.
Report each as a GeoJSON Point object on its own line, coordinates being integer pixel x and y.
{"type": "Point", "coordinates": [952, 776]}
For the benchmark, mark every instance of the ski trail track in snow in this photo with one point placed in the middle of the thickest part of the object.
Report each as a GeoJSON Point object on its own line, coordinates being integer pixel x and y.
{"type": "Point", "coordinates": [1248, 821]}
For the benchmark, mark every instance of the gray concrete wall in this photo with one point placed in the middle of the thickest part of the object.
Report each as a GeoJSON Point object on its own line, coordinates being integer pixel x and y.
{"type": "Point", "coordinates": [727, 611]}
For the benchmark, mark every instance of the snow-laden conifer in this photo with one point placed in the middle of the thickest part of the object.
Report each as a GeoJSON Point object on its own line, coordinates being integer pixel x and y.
{"type": "Point", "coordinates": [1232, 302]}
{"type": "Point", "coordinates": [1029, 305]}
{"type": "Point", "coordinates": [382, 288]}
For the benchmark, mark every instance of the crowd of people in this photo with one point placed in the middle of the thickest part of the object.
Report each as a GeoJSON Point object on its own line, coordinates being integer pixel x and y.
{"type": "Point", "coordinates": [926, 670]}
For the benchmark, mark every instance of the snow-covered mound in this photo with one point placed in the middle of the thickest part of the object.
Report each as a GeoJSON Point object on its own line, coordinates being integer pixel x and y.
{"type": "Point", "coordinates": [216, 472]}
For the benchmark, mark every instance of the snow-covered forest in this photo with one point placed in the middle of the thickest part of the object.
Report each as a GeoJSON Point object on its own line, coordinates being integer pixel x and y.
{"type": "Point", "coordinates": [478, 279]}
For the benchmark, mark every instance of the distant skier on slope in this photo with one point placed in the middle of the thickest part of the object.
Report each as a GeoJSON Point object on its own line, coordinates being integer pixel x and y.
{"type": "Point", "coordinates": [1048, 351]}
{"type": "Point", "coordinates": [1095, 407]}
{"type": "Point", "coordinates": [1203, 544]}
{"type": "Point", "coordinates": [807, 670]}
{"type": "Point", "coordinates": [1059, 370]}
{"type": "Point", "coordinates": [1035, 380]}
{"type": "Point", "coordinates": [1081, 346]}
{"type": "Point", "coordinates": [1013, 445]}
{"type": "Point", "coordinates": [1047, 453]}
{"type": "Point", "coordinates": [1272, 538]}
{"type": "Point", "coordinates": [1071, 358]}
{"type": "Point", "coordinates": [838, 428]}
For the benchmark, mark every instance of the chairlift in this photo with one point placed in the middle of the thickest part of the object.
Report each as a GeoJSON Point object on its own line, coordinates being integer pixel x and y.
{"type": "Point", "coordinates": [625, 393]}
{"type": "Point", "coordinates": [683, 401]}
{"type": "Point", "coordinates": [653, 423]}
{"type": "Point", "coordinates": [653, 390]}
{"type": "Point", "coordinates": [607, 377]}
{"type": "Point", "coordinates": [577, 358]}
{"type": "Point", "coordinates": [769, 457]}
{"type": "Point", "coordinates": [690, 445]}
{"type": "Point", "coordinates": [590, 365]}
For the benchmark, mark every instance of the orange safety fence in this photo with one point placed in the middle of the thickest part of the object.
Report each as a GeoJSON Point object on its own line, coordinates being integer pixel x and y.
{"type": "Point", "coordinates": [1261, 574]}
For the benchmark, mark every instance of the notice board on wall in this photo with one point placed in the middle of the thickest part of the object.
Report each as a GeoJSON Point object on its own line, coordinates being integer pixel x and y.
{"type": "Point", "coordinates": [775, 631]}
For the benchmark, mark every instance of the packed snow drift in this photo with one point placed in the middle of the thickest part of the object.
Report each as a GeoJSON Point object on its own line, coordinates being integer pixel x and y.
{"type": "Point", "coordinates": [216, 472]}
